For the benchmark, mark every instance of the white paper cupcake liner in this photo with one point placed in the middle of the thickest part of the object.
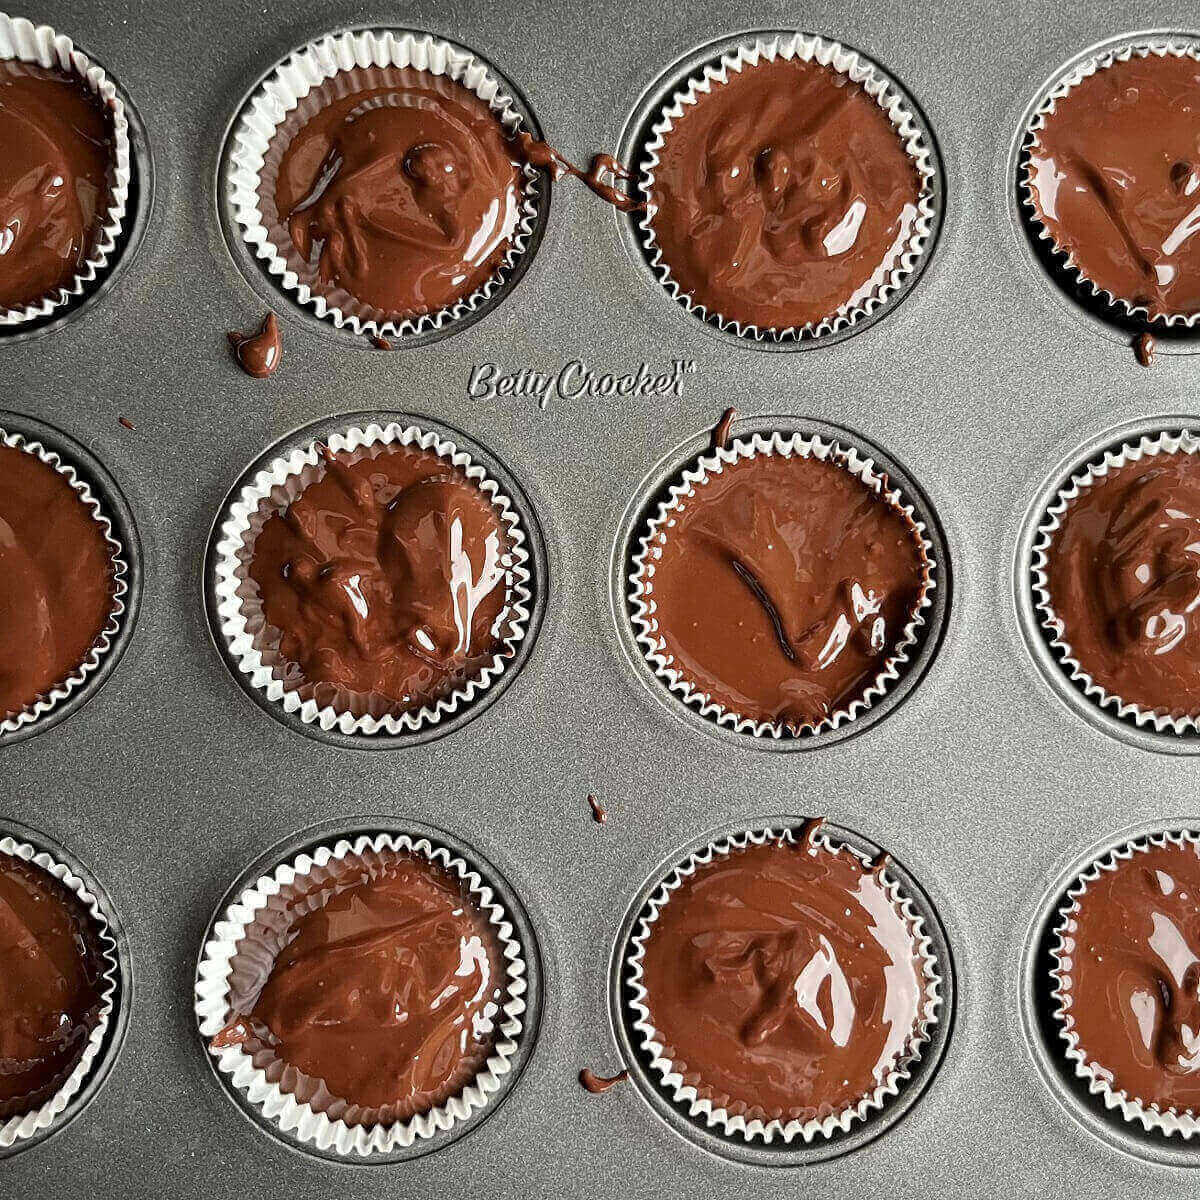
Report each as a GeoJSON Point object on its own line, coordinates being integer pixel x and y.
{"type": "Point", "coordinates": [23, 1126]}
{"type": "Point", "coordinates": [1093, 473]}
{"type": "Point", "coordinates": [1149, 1116]}
{"type": "Point", "coordinates": [889, 276]}
{"type": "Point", "coordinates": [255, 646]}
{"type": "Point", "coordinates": [1064, 259]}
{"type": "Point", "coordinates": [120, 570]}
{"type": "Point", "coordinates": [285, 87]}
{"type": "Point", "coordinates": [301, 1119]}
{"type": "Point", "coordinates": [643, 607]}
{"type": "Point", "coordinates": [735, 1125]}
{"type": "Point", "coordinates": [23, 40]}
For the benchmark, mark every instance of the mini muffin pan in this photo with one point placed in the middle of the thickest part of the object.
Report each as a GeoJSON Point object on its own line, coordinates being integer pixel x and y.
{"type": "Point", "coordinates": [984, 772]}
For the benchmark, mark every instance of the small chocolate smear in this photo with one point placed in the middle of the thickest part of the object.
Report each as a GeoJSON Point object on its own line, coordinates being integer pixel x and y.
{"type": "Point", "coordinates": [599, 815]}
{"type": "Point", "coordinates": [881, 863]}
{"type": "Point", "coordinates": [235, 1033]}
{"type": "Point", "coordinates": [720, 437]}
{"type": "Point", "coordinates": [258, 354]}
{"type": "Point", "coordinates": [809, 831]}
{"type": "Point", "coordinates": [596, 1084]}
{"type": "Point", "coordinates": [544, 156]}
{"type": "Point", "coordinates": [1143, 347]}
{"type": "Point", "coordinates": [380, 342]}
{"type": "Point", "coordinates": [126, 422]}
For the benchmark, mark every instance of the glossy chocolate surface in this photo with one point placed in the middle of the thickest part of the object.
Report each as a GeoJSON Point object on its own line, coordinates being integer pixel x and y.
{"type": "Point", "coordinates": [56, 579]}
{"type": "Point", "coordinates": [780, 194]}
{"type": "Point", "coordinates": [809, 578]}
{"type": "Point", "coordinates": [395, 190]}
{"type": "Point", "coordinates": [783, 981]}
{"type": "Point", "coordinates": [1123, 575]}
{"type": "Point", "coordinates": [50, 978]}
{"type": "Point", "coordinates": [1135, 976]}
{"type": "Point", "coordinates": [1116, 180]}
{"type": "Point", "coordinates": [387, 580]}
{"type": "Point", "coordinates": [54, 178]}
{"type": "Point", "coordinates": [259, 353]}
{"type": "Point", "coordinates": [382, 999]}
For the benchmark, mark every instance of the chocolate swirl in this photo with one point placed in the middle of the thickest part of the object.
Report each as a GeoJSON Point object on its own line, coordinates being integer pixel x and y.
{"type": "Point", "coordinates": [1132, 970]}
{"type": "Point", "coordinates": [54, 178]}
{"type": "Point", "coordinates": [395, 189]}
{"type": "Point", "coordinates": [50, 973]}
{"type": "Point", "coordinates": [386, 579]}
{"type": "Point", "coordinates": [382, 998]}
{"type": "Point", "coordinates": [782, 981]}
{"type": "Point", "coordinates": [780, 194]}
{"type": "Point", "coordinates": [56, 579]}
{"type": "Point", "coordinates": [1123, 576]}
{"type": "Point", "coordinates": [809, 578]}
{"type": "Point", "coordinates": [1115, 179]}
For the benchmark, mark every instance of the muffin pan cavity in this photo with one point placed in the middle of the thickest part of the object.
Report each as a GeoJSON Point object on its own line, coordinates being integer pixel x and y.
{"type": "Point", "coordinates": [751, 1147]}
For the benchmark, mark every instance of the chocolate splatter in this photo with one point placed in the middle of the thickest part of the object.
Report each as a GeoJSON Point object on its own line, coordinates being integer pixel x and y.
{"type": "Point", "coordinates": [543, 155]}
{"type": "Point", "coordinates": [720, 437]}
{"type": "Point", "coordinates": [1143, 347]}
{"type": "Point", "coordinates": [596, 1084]}
{"type": "Point", "coordinates": [380, 342]}
{"type": "Point", "coordinates": [599, 814]}
{"type": "Point", "coordinates": [809, 831]}
{"type": "Point", "coordinates": [258, 354]}
{"type": "Point", "coordinates": [126, 422]}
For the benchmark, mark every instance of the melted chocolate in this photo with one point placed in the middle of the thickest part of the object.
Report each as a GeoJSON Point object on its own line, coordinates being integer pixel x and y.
{"type": "Point", "coordinates": [50, 976]}
{"type": "Point", "coordinates": [380, 342]}
{"type": "Point", "coordinates": [544, 156]}
{"type": "Point", "coordinates": [56, 579]}
{"type": "Point", "coordinates": [126, 423]}
{"type": "Point", "coordinates": [809, 579]}
{"type": "Point", "coordinates": [1124, 577]}
{"type": "Point", "coordinates": [1135, 976]}
{"type": "Point", "coordinates": [1143, 347]}
{"type": "Point", "coordinates": [599, 815]}
{"type": "Point", "coordinates": [720, 437]}
{"type": "Point", "coordinates": [395, 192]}
{"type": "Point", "coordinates": [386, 578]}
{"type": "Point", "coordinates": [258, 353]}
{"type": "Point", "coordinates": [382, 998]}
{"type": "Point", "coordinates": [54, 178]}
{"type": "Point", "coordinates": [783, 981]}
{"type": "Point", "coordinates": [598, 1084]}
{"type": "Point", "coordinates": [1116, 180]}
{"type": "Point", "coordinates": [781, 194]}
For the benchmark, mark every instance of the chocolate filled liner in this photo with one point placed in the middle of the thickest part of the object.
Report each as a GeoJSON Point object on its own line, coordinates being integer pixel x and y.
{"type": "Point", "coordinates": [21, 39]}
{"type": "Point", "coordinates": [1161, 46]}
{"type": "Point", "coordinates": [641, 603]}
{"type": "Point", "coordinates": [888, 278]}
{"type": "Point", "coordinates": [735, 1125]}
{"type": "Point", "coordinates": [1149, 1116]}
{"type": "Point", "coordinates": [26, 1125]}
{"type": "Point", "coordinates": [244, 943]}
{"type": "Point", "coordinates": [103, 643]}
{"type": "Point", "coordinates": [280, 93]}
{"type": "Point", "coordinates": [254, 644]}
{"type": "Point", "coordinates": [1093, 473]}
